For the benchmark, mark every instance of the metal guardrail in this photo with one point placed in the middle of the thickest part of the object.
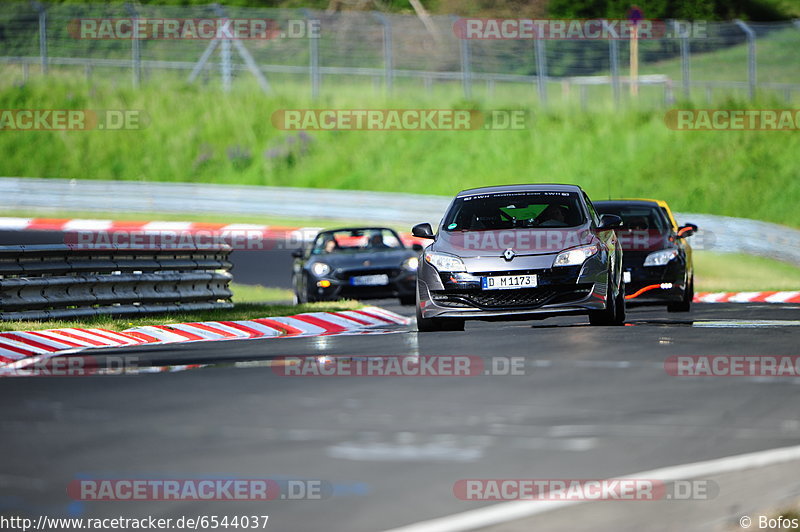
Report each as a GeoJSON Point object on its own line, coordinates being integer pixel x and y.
{"type": "Point", "coordinates": [62, 281]}
{"type": "Point", "coordinates": [722, 234]}
{"type": "Point", "coordinates": [194, 198]}
{"type": "Point", "coordinates": [726, 234]}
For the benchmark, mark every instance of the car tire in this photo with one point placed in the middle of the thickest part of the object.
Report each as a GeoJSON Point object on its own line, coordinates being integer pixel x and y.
{"type": "Point", "coordinates": [614, 313]}
{"type": "Point", "coordinates": [685, 305]}
{"type": "Point", "coordinates": [297, 297]}
{"type": "Point", "coordinates": [306, 296]}
{"type": "Point", "coordinates": [438, 324]}
{"type": "Point", "coordinates": [619, 319]}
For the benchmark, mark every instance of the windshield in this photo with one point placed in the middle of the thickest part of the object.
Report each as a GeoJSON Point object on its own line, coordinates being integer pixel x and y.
{"type": "Point", "coordinates": [356, 240]}
{"type": "Point", "coordinates": [515, 210]}
{"type": "Point", "coordinates": [638, 217]}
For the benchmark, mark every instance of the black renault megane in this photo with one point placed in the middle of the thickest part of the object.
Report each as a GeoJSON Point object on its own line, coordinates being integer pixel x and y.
{"type": "Point", "coordinates": [657, 269]}
{"type": "Point", "coordinates": [520, 251]}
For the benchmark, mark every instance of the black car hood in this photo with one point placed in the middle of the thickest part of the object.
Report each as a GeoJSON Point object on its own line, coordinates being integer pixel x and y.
{"type": "Point", "coordinates": [643, 240]}
{"type": "Point", "coordinates": [375, 259]}
{"type": "Point", "coordinates": [539, 241]}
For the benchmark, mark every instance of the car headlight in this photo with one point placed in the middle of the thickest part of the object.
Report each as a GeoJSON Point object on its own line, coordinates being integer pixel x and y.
{"type": "Point", "coordinates": [444, 262]}
{"type": "Point", "coordinates": [320, 268]}
{"type": "Point", "coordinates": [411, 263]}
{"type": "Point", "coordinates": [576, 256]}
{"type": "Point", "coordinates": [660, 258]}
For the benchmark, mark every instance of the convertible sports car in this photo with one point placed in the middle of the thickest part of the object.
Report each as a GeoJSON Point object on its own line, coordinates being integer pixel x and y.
{"type": "Point", "coordinates": [520, 251]}
{"type": "Point", "coordinates": [357, 263]}
{"type": "Point", "coordinates": [658, 260]}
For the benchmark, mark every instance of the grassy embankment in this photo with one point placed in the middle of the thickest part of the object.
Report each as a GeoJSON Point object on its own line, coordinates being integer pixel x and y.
{"type": "Point", "coordinates": [196, 134]}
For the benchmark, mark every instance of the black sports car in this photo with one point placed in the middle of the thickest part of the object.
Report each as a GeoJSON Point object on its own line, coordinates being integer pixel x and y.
{"type": "Point", "coordinates": [357, 263]}
{"type": "Point", "coordinates": [520, 251]}
{"type": "Point", "coordinates": [657, 262]}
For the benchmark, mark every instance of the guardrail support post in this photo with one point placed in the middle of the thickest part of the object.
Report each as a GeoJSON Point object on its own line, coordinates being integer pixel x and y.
{"type": "Point", "coordinates": [751, 56]}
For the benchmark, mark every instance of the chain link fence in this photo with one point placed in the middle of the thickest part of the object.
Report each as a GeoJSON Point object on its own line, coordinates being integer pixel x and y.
{"type": "Point", "coordinates": [320, 51]}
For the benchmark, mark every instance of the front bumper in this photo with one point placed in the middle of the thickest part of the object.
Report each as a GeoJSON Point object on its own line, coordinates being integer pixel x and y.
{"type": "Point", "coordinates": [655, 285]}
{"type": "Point", "coordinates": [563, 290]}
{"type": "Point", "coordinates": [401, 283]}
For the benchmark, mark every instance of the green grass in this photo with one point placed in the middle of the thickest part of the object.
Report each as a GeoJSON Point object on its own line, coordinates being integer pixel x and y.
{"type": "Point", "coordinates": [198, 134]}
{"type": "Point", "coordinates": [245, 293]}
{"type": "Point", "coordinates": [242, 311]}
{"type": "Point", "coordinates": [717, 272]}
{"type": "Point", "coordinates": [776, 56]}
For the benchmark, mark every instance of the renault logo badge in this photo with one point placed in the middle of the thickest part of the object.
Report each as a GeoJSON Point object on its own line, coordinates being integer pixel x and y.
{"type": "Point", "coordinates": [509, 254]}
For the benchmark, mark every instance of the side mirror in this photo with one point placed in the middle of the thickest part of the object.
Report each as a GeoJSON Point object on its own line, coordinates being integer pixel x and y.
{"type": "Point", "coordinates": [422, 231]}
{"type": "Point", "coordinates": [687, 230]}
{"type": "Point", "coordinates": [609, 221]}
{"type": "Point", "coordinates": [417, 247]}
{"type": "Point", "coordinates": [297, 253]}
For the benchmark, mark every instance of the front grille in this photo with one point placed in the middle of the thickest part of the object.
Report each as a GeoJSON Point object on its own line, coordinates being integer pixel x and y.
{"type": "Point", "coordinates": [347, 274]}
{"type": "Point", "coordinates": [525, 298]}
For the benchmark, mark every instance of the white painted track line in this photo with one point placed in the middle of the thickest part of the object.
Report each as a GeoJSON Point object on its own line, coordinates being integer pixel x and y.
{"type": "Point", "coordinates": [511, 511]}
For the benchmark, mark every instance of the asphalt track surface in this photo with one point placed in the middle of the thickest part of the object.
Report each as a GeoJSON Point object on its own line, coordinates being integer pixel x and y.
{"type": "Point", "coordinates": [592, 402]}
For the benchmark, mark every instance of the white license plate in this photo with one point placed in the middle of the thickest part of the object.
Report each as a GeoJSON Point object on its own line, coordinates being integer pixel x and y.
{"type": "Point", "coordinates": [507, 282]}
{"type": "Point", "coordinates": [626, 277]}
{"type": "Point", "coordinates": [370, 280]}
